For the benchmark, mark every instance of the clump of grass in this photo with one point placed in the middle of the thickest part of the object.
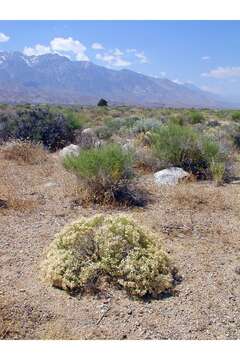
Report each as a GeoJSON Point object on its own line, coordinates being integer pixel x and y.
{"type": "Point", "coordinates": [113, 248]}
{"type": "Point", "coordinates": [217, 169]}
{"type": "Point", "coordinates": [197, 198]}
{"type": "Point", "coordinates": [102, 173]}
{"type": "Point", "coordinates": [24, 152]}
{"type": "Point", "coordinates": [10, 199]}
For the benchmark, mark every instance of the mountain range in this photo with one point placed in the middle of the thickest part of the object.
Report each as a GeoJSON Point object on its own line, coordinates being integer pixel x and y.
{"type": "Point", "coordinates": [52, 78]}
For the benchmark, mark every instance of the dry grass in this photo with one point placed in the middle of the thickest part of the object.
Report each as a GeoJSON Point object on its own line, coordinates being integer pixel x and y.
{"type": "Point", "coordinates": [8, 325]}
{"type": "Point", "coordinates": [197, 197]}
{"type": "Point", "coordinates": [12, 200]}
{"type": "Point", "coordinates": [24, 152]}
{"type": "Point", "coordinates": [198, 209]}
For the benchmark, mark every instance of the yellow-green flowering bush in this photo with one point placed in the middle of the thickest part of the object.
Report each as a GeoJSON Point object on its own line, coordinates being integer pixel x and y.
{"type": "Point", "coordinates": [111, 246]}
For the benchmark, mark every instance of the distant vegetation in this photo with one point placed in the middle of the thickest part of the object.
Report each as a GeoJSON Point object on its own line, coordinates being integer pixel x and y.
{"type": "Point", "coordinates": [102, 102]}
{"type": "Point", "coordinates": [203, 142]}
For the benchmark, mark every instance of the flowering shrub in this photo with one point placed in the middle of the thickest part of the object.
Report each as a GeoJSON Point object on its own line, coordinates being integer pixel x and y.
{"type": "Point", "coordinates": [114, 247]}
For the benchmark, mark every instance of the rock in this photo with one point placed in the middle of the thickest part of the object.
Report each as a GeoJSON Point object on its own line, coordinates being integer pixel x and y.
{"type": "Point", "coordinates": [128, 146]}
{"type": "Point", "coordinates": [171, 176]}
{"type": "Point", "coordinates": [3, 204]}
{"type": "Point", "coordinates": [50, 184]}
{"type": "Point", "coordinates": [237, 270]}
{"type": "Point", "coordinates": [213, 123]}
{"type": "Point", "coordinates": [70, 150]}
{"type": "Point", "coordinates": [87, 139]}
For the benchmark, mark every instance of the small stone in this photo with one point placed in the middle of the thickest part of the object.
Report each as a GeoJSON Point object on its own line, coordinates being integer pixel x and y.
{"type": "Point", "coordinates": [3, 204]}
{"type": "Point", "coordinates": [50, 184]}
{"type": "Point", "coordinates": [237, 270]}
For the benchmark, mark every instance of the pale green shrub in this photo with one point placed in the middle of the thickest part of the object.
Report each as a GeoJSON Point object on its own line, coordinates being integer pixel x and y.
{"type": "Point", "coordinates": [108, 246]}
{"type": "Point", "coordinates": [145, 125]}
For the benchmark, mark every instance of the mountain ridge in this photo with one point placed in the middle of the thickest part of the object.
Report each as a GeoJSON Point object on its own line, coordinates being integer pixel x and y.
{"type": "Point", "coordinates": [52, 78]}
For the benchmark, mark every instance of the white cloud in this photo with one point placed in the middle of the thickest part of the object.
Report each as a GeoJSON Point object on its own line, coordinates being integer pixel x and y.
{"type": "Point", "coordinates": [142, 57]}
{"type": "Point", "coordinates": [63, 46]}
{"type": "Point", "coordinates": [117, 52]}
{"type": "Point", "coordinates": [177, 81]}
{"type": "Point", "coordinates": [36, 50]}
{"type": "Point", "coordinates": [131, 50]}
{"type": "Point", "coordinates": [4, 38]}
{"type": "Point", "coordinates": [121, 62]}
{"type": "Point", "coordinates": [113, 59]}
{"type": "Point", "coordinates": [139, 54]}
{"type": "Point", "coordinates": [163, 74]}
{"type": "Point", "coordinates": [75, 50]}
{"type": "Point", "coordinates": [206, 57]}
{"type": "Point", "coordinates": [223, 72]}
{"type": "Point", "coordinates": [69, 45]}
{"type": "Point", "coordinates": [97, 46]}
{"type": "Point", "coordinates": [212, 89]}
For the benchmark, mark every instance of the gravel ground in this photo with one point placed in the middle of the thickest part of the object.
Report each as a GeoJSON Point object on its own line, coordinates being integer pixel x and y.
{"type": "Point", "coordinates": [201, 230]}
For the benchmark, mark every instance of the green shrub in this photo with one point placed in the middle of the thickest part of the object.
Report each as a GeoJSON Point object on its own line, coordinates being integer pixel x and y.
{"type": "Point", "coordinates": [210, 150]}
{"type": "Point", "coordinates": [101, 171]}
{"type": "Point", "coordinates": [75, 119]}
{"type": "Point", "coordinates": [40, 125]}
{"type": "Point", "coordinates": [104, 132]}
{"type": "Point", "coordinates": [177, 120]}
{"type": "Point", "coordinates": [175, 144]}
{"type": "Point", "coordinates": [181, 146]}
{"type": "Point", "coordinates": [195, 117]}
{"type": "Point", "coordinates": [145, 125]}
{"type": "Point", "coordinates": [236, 115]}
{"type": "Point", "coordinates": [123, 125]}
{"type": "Point", "coordinates": [109, 248]}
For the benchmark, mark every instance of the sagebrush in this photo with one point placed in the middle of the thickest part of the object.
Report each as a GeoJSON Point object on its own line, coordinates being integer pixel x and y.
{"type": "Point", "coordinates": [110, 247]}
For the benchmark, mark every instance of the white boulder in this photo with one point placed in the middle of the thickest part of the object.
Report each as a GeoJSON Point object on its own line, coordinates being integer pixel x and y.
{"type": "Point", "coordinates": [87, 139]}
{"type": "Point", "coordinates": [170, 176]}
{"type": "Point", "coordinates": [70, 150]}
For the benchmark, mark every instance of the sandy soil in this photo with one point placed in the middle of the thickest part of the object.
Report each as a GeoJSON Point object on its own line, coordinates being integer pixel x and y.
{"type": "Point", "coordinates": [201, 232]}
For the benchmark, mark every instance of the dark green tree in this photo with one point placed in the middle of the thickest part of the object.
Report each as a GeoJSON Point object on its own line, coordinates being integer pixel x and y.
{"type": "Point", "coordinates": [102, 102]}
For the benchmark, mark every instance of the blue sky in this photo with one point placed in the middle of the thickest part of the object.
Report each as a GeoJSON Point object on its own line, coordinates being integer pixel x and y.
{"type": "Point", "coordinates": [206, 53]}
